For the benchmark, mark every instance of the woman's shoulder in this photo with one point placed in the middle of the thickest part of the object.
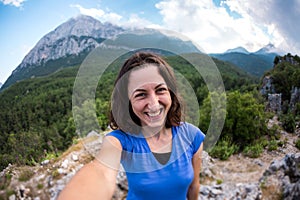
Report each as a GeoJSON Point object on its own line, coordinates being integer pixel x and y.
{"type": "Point", "coordinates": [192, 134]}
{"type": "Point", "coordinates": [188, 127]}
{"type": "Point", "coordinates": [127, 140]}
{"type": "Point", "coordinates": [189, 130]}
{"type": "Point", "coordinates": [116, 132]}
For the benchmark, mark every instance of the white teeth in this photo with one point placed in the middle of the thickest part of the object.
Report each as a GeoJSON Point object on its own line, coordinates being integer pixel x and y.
{"type": "Point", "coordinates": [154, 114]}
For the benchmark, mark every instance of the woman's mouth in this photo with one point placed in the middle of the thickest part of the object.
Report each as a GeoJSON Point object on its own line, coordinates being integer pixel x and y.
{"type": "Point", "coordinates": [154, 114]}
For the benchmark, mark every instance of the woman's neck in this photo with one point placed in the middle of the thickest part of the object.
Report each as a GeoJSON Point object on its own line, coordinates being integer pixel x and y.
{"type": "Point", "coordinates": [160, 142]}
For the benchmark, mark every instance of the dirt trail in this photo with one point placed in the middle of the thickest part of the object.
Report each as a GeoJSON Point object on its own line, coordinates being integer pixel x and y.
{"type": "Point", "coordinates": [241, 169]}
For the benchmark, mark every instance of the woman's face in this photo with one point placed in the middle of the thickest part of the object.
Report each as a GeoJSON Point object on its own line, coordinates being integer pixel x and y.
{"type": "Point", "coordinates": [149, 96]}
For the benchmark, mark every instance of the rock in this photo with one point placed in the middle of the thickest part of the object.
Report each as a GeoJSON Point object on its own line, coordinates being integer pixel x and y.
{"type": "Point", "coordinates": [61, 171]}
{"type": "Point", "coordinates": [65, 163]}
{"type": "Point", "coordinates": [276, 165]}
{"type": "Point", "coordinates": [12, 197]}
{"type": "Point", "coordinates": [75, 157]}
{"type": "Point", "coordinates": [230, 191]}
{"type": "Point", "coordinates": [45, 162]}
{"type": "Point", "coordinates": [283, 175]}
{"type": "Point", "coordinates": [259, 162]}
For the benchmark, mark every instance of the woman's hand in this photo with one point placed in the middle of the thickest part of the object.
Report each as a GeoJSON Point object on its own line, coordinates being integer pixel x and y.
{"type": "Point", "coordinates": [97, 179]}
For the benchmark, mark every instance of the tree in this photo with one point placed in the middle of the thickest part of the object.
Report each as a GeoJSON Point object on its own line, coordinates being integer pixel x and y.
{"type": "Point", "coordinates": [245, 119]}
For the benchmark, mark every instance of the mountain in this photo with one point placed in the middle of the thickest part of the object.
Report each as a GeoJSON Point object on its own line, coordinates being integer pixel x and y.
{"type": "Point", "coordinates": [269, 49]}
{"type": "Point", "coordinates": [1, 84]}
{"type": "Point", "coordinates": [72, 41]}
{"type": "Point", "coordinates": [69, 43]}
{"type": "Point", "coordinates": [238, 50]}
{"type": "Point", "coordinates": [256, 63]}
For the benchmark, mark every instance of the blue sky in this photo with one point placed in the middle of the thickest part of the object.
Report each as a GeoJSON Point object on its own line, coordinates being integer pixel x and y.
{"type": "Point", "coordinates": [216, 25]}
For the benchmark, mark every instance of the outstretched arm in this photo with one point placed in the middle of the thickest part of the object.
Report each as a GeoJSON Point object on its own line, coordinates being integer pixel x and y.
{"type": "Point", "coordinates": [194, 188]}
{"type": "Point", "coordinates": [97, 179]}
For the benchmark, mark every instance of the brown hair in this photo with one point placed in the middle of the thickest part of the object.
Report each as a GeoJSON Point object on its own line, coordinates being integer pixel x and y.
{"type": "Point", "coordinates": [121, 114]}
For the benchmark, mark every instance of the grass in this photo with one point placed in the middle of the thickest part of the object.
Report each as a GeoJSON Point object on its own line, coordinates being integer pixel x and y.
{"type": "Point", "coordinates": [25, 175]}
{"type": "Point", "coordinates": [40, 186]}
{"type": "Point", "coordinates": [253, 151]}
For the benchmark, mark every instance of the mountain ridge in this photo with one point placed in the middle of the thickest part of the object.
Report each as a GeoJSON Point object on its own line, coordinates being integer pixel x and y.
{"type": "Point", "coordinates": [70, 43]}
{"type": "Point", "coordinates": [237, 50]}
{"type": "Point", "coordinates": [255, 63]}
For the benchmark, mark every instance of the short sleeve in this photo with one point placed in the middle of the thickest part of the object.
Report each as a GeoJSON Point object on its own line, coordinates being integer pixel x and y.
{"type": "Point", "coordinates": [198, 135]}
{"type": "Point", "coordinates": [123, 138]}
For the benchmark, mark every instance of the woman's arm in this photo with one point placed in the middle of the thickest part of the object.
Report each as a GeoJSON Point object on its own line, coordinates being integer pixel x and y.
{"type": "Point", "coordinates": [194, 188]}
{"type": "Point", "coordinates": [97, 179]}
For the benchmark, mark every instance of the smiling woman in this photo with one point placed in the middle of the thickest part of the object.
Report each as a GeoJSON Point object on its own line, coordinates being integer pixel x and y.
{"type": "Point", "coordinates": [160, 153]}
{"type": "Point", "coordinates": [149, 96]}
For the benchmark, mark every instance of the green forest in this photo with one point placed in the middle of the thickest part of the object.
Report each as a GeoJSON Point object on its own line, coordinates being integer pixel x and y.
{"type": "Point", "coordinates": [36, 117]}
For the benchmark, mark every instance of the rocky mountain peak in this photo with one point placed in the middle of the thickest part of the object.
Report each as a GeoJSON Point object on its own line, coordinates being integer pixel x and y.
{"type": "Point", "coordinates": [81, 25]}
{"type": "Point", "coordinates": [269, 49]}
{"type": "Point", "coordinates": [72, 37]}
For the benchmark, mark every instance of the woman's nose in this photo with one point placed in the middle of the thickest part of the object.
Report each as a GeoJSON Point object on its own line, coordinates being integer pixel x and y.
{"type": "Point", "coordinates": [153, 101]}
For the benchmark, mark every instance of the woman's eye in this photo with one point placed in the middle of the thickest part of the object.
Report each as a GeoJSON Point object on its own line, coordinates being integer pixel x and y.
{"type": "Point", "coordinates": [139, 95]}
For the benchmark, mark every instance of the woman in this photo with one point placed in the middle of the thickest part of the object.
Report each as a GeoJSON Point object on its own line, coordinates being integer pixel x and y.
{"type": "Point", "coordinates": [160, 154]}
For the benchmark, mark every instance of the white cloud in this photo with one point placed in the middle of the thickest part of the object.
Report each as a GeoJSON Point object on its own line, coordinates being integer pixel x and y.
{"type": "Point", "coordinates": [17, 3]}
{"type": "Point", "coordinates": [133, 21]}
{"type": "Point", "coordinates": [99, 14]}
{"type": "Point", "coordinates": [281, 17]}
{"type": "Point", "coordinates": [210, 26]}
{"type": "Point", "coordinates": [261, 22]}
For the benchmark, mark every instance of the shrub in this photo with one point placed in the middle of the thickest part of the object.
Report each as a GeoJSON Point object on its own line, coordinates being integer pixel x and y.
{"type": "Point", "coordinates": [263, 141]}
{"type": "Point", "coordinates": [223, 150]}
{"type": "Point", "coordinates": [288, 122]}
{"type": "Point", "coordinates": [273, 145]}
{"type": "Point", "coordinates": [253, 151]}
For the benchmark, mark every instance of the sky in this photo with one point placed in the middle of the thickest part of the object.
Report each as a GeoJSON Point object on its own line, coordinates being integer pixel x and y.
{"type": "Point", "coordinates": [215, 25]}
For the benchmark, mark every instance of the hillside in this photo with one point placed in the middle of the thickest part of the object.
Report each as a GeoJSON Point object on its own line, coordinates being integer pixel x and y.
{"type": "Point", "coordinates": [255, 64]}
{"type": "Point", "coordinates": [41, 108]}
{"type": "Point", "coordinates": [238, 177]}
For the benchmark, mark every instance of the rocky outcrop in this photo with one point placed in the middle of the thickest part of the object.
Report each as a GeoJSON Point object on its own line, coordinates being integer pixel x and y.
{"type": "Point", "coordinates": [249, 191]}
{"type": "Point", "coordinates": [283, 178]}
{"type": "Point", "coordinates": [295, 97]}
{"type": "Point", "coordinates": [280, 180]}
{"type": "Point", "coordinates": [274, 103]}
{"type": "Point", "coordinates": [267, 86]}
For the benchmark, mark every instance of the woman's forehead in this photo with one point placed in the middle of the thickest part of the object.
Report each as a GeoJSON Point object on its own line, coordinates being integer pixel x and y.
{"type": "Point", "coordinates": [143, 76]}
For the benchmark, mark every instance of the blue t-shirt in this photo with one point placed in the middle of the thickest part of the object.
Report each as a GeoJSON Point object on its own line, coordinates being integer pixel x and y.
{"type": "Point", "coordinates": [147, 178]}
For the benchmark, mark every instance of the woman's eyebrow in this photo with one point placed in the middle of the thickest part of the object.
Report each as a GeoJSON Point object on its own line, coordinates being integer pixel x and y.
{"type": "Point", "coordinates": [138, 90]}
{"type": "Point", "coordinates": [160, 85]}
